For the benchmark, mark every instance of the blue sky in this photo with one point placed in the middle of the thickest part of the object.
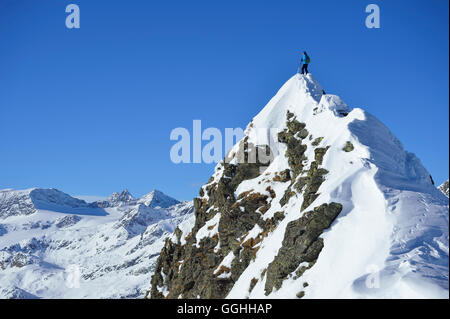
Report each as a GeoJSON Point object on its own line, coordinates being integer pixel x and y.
{"type": "Point", "coordinates": [90, 111]}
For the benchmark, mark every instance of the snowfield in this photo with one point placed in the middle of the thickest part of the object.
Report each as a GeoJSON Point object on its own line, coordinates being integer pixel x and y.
{"type": "Point", "coordinates": [62, 247]}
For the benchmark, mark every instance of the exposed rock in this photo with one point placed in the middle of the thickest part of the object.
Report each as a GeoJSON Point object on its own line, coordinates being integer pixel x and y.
{"type": "Point", "coordinates": [348, 147]}
{"type": "Point", "coordinates": [301, 243]}
{"type": "Point", "coordinates": [116, 200]}
{"type": "Point", "coordinates": [253, 283]}
{"type": "Point", "coordinates": [192, 270]}
{"type": "Point", "coordinates": [67, 221]}
{"type": "Point", "coordinates": [301, 294]}
{"type": "Point", "coordinates": [313, 180]}
{"type": "Point", "coordinates": [283, 176]}
{"type": "Point", "coordinates": [317, 141]}
{"type": "Point", "coordinates": [444, 188]}
{"type": "Point", "coordinates": [295, 149]}
{"type": "Point", "coordinates": [319, 154]}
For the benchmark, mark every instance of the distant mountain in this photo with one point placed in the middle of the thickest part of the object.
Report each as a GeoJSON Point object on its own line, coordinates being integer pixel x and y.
{"type": "Point", "coordinates": [116, 200]}
{"type": "Point", "coordinates": [26, 202]}
{"type": "Point", "coordinates": [47, 236]}
{"type": "Point", "coordinates": [153, 199]}
{"type": "Point", "coordinates": [137, 219]}
{"type": "Point", "coordinates": [444, 188]}
{"type": "Point", "coordinates": [158, 199]}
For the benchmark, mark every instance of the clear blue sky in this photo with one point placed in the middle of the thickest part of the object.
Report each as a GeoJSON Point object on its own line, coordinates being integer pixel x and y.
{"type": "Point", "coordinates": [90, 111]}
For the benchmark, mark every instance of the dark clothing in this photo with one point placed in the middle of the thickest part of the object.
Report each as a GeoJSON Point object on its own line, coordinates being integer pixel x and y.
{"type": "Point", "coordinates": [305, 68]}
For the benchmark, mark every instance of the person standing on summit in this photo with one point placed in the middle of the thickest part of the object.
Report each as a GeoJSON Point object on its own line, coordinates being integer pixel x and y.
{"type": "Point", "coordinates": [305, 60]}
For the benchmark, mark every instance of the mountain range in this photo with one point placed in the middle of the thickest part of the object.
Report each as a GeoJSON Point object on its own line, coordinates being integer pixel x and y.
{"type": "Point", "coordinates": [53, 245]}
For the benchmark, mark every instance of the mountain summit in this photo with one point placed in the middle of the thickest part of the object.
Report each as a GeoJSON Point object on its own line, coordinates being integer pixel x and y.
{"type": "Point", "coordinates": [340, 210]}
{"type": "Point", "coordinates": [27, 202]}
{"type": "Point", "coordinates": [153, 199]}
{"type": "Point", "coordinates": [157, 199]}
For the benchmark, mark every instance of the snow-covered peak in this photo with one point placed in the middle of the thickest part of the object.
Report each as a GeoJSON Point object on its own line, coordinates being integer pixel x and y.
{"type": "Point", "coordinates": [153, 199]}
{"type": "Point", "coordinates": [157, 198]}
{"type": "Point", "coordinates": [57, 197]}
{"type": "Point", "coordinates": [339, 200]}
{"type": "Point", "coordinates": [117, 200]}
{"type": "Point", "coordinates": [140, 216]}
{"type": "Point", "coordinates": [125, 196]}
{"type": "Point", "coordinates": [298, 94]}
{"type": "Point", "coordinates": [26, 202]}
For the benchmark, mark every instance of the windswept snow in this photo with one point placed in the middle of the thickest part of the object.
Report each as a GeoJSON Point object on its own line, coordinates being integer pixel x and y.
{"type": "Point", "coordinates": [391, 238]}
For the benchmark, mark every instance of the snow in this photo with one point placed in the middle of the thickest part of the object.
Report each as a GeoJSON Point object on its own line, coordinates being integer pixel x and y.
{"type": "Point", "coordinates": [393, 229]}
{"type": "Point", "coordinates": [210, 228]}
{"type": "Point", "coordinates": [226, 263]}
{"type": "Point", "coordinates": [185, 227]}
{"type": "Point", "coordinates": [333, 103]}
{"type": "Point", "coordinates": [157, 199]}
{"type": "Point", "coordinates": [114, 249]}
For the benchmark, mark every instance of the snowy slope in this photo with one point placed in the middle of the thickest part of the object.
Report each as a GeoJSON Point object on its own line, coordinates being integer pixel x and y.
{"type": "Point", "coordinates": [389, 240]}
{"type": "Point", "coordinates": [112, 250]}
{"type": "Point", "coordinates": [157, 198]}
{"type": "Point", "coordinates": [26, 202]}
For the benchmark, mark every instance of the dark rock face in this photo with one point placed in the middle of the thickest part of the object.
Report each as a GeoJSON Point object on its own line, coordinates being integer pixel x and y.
{"type": "Point", "coordinates": [348, 147]}
{"type": "Point", "coordinates": [313, 180]}
{"type": "Point", "coordinates": [317, 141]}
{"type": "Point", "coordinates": [194, 269]}
{"type": "Point", "coordinates": [444, 188]}
{"type": "Point", "coordinates": [190, 270]}
{"type": "Point", "coordinates": [301, 243]}
{"type": "Point", "coordinates": [295, 153]}
{"type": "Point", "coordinates": [292, 137]}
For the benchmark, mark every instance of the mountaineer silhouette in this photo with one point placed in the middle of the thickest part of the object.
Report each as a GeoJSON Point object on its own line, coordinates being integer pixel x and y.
{"type": "Point", "coordinates": [305, 60]}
